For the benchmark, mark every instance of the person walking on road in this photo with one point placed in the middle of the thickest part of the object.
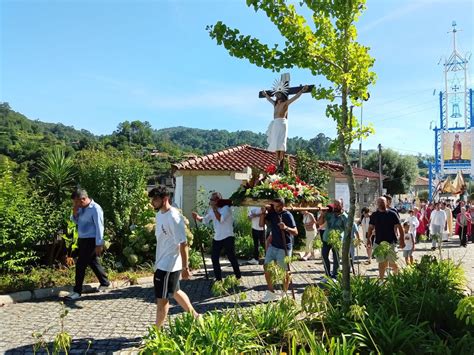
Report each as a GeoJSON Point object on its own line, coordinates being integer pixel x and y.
{"type": "Point", "coordinates": [283, 228]}
{"type": "Point", "coordinates": [221, 217]}
{"type": "Point", "coordinates": [258, 234]}
{"type": "Point", "coordinates": [437, 225]}
{"type": "Point", "coordinates": [366, 239]}
{"type": "Point", "coordinates": [171, 255]}
{"type": "Point", "coordinates": [311, 230]}
{"type": "Point", "coordinates": [385, 222]}
{"type": "Point", "coordinates": [463, 226]}
{"type": "Point", "coordinates": [335, 219]}
{"type": "Point", "coordinates": [89, 217]}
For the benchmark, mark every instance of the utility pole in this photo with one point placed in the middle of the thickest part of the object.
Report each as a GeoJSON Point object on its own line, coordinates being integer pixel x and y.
{"type": "Point", "coordinates": [380, 169]}
{"type": "Point", "coordinates": [360, 139]}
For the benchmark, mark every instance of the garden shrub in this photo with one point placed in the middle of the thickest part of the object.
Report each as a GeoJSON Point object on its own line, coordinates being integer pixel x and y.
{"type": "Point", "coordinates": [274, 321]}
{"type": "Point", "coordinates": [202, 235]}
{"type": "Point", "coordinates": [216, 333]}
{"type": "Point", "coordinates": [411, 311]}
{"type": "Point", "coordinates": [117, 182]}
{"type": "Point", "coordinates": [244, 246]}
{"type": "Point", "coordinates": [242, 224]}
{"type": "Point", "coordinates": [430, 291]}
{"type": "Point", "coordinates": [195, 259]}
{"type": "Point", "coordinates": [26, 220]}
{"type": "Point", "coordinates": [53, 277]}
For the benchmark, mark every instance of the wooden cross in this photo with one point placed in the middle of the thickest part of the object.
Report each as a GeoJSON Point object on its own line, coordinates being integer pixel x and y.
{"type": "Point", "coordinates": [291, 91]}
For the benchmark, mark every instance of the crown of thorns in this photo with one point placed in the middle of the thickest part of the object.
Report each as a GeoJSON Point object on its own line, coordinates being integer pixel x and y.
{"type": "Point", "coordinates": [280, 86]}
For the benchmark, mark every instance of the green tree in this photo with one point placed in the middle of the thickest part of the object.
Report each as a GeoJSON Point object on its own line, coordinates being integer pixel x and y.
{"type": "Point", "coordinates": [117, 182]}
{"type": "Point", "coordinates": [309, 171]}
{"type": "Point", "coordinates": [56, 175]}
{"type": "Point", "coordinates": [401, 170]}
{"type": "Point", "coordinates": [135, 132]}
{"type": "Point", "coordinates": [328, 49]}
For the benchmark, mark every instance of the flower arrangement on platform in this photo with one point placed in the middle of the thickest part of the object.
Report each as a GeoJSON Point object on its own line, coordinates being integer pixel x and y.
{"type": "Point", "coordinates": [269, 184]}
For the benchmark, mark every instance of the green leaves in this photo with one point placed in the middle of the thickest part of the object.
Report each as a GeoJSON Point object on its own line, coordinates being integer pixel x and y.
{"type": "Point", "coordinates": [335, 239]}
{"type": "Point", "coordinates": [227, 286]}
{"type": "Point", "coordinates": [117, 182]}
{"type": "Point", "coordinates": [309, 171]}
{"type": "Point", "coordinates": [57, 175]}
{"type": "Point", "coordinates": [401, 170]}
{"type": "Point", "coordinates": [26, 220]}
{"type": "Point", "coordinates": [465, 310]}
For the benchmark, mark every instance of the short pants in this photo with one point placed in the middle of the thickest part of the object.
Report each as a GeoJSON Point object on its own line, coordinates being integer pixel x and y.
{"type": "Point", "coordinates": [166, 283]}
{"type": "Point", "coordinates": [276, 254]}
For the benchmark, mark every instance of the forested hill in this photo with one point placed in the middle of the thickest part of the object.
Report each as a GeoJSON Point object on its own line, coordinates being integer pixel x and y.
{"type": "Point", "coordinates": [23, 139]}
{"type": "Point", "coordinates": [208, 141]}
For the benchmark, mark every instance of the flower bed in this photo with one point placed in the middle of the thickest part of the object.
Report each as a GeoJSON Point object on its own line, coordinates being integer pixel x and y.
{"type": "Point", "coordinates": [267, 185]}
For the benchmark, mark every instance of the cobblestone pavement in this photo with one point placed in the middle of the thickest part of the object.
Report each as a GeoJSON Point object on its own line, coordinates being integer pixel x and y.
{"type": "Point", "coordinates": [115, 321]}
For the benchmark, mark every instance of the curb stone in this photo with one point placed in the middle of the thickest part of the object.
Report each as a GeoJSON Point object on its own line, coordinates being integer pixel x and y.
{"type": "Point", "coordinates": [62, 291]}
{"type": "Point", "coordinates": [15, 297]}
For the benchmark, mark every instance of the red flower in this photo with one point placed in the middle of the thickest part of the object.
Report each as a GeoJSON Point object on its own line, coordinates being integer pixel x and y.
{"type": "Point", "coordinates": [271, 169]}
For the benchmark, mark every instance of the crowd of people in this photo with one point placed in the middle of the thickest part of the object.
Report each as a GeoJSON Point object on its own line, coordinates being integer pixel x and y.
{"type": "Point", "coordinates": [274, 230]}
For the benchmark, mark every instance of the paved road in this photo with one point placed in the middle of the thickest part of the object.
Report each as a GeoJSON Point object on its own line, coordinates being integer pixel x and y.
{"type": "Point", "coordinates": [116, 321]}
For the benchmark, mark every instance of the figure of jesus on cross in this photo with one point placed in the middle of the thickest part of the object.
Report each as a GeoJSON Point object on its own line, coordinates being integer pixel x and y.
{"type": "Point", "coordinates": [277, 132]}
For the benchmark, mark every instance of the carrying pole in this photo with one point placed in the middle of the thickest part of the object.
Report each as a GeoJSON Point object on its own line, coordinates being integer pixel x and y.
{"type": "Point", "coordinates": [201, 249]}
{"type": "Point", "coordinates": [283, 236]}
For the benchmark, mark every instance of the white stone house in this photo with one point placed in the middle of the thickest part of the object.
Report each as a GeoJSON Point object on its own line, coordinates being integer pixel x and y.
{"type": "Point", "coordinates": [224, 171]}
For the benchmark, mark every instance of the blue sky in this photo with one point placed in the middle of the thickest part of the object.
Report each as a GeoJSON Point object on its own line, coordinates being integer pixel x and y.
{"type": "Point", "coordinates": [93, 64]}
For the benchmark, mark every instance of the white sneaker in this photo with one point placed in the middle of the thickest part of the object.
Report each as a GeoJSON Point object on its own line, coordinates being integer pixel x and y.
{"type": "Point", "coordinates": [73, 296]}
{"type": "Point", "coordinates": [102, 288]}
{"type": "Point", "coordinates": [269, 297]}
{"type": "Point", "coordinates": [253, 262]}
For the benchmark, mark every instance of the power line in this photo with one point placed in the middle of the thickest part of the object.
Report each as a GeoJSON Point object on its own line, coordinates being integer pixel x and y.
{"type": "Point", "coordinates": [403, 115]}
{"type": "Point", "coordinates": [403, 96]}
{"type": "Point", "coordinates": [430, 101]}
{"type": "Point", "coordinates": [410, 151]}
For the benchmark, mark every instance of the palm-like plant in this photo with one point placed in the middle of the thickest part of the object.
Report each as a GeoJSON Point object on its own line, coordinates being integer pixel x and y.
{"type": "Point", "coordinates": [57, 174]}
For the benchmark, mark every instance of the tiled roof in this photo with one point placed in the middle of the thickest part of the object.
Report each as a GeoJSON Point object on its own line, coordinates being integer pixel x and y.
{"type": "Point", "coordinates": [243, 156]}
{"type": "Point", "coordinates": [232, 159]}
{"type": "Point", "coordinates": [421, 181]}
{"type": "Point", "coordinates": [358, 172]}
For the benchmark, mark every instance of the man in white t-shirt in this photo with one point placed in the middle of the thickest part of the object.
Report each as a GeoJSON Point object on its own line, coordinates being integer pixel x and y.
{"type": "Point", "coordinates": [221, 217]}
{"type": "Point", "coordinates": [171, 255]}
{"type": "Point", "coordinates": [413, 222]}
{"type": "Point", "coordinates": [437, 225]}
{"type": "Point", "coordinates": [258, 233]}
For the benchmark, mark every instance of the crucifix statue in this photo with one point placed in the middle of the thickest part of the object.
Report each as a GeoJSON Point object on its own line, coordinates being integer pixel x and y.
{"type": "Point", "coordinates": [277, 132]}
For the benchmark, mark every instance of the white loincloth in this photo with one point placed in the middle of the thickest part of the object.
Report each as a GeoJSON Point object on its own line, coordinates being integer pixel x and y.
{"type": "Point", "coordinates": [277, 134]}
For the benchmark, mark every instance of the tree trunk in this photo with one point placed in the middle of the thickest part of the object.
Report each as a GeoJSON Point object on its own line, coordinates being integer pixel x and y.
{"type": "Point", "coordinates": [346, 269]}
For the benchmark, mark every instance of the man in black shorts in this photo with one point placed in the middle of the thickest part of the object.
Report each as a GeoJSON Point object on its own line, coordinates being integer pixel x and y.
{"type": "Point", "coordinates": [385, 221]}
{"type": "Point", "coordinates": [171, 255]}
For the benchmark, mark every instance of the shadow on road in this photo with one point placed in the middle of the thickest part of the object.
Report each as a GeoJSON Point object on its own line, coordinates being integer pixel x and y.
{"type": "Point", "coordinates": [80, 346]}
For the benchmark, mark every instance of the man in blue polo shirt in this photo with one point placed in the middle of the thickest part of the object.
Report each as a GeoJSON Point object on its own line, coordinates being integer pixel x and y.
{"type": "Point", "coordinates": [89, 217]}
{"type": "Point", "coordinates": [283, 229]}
